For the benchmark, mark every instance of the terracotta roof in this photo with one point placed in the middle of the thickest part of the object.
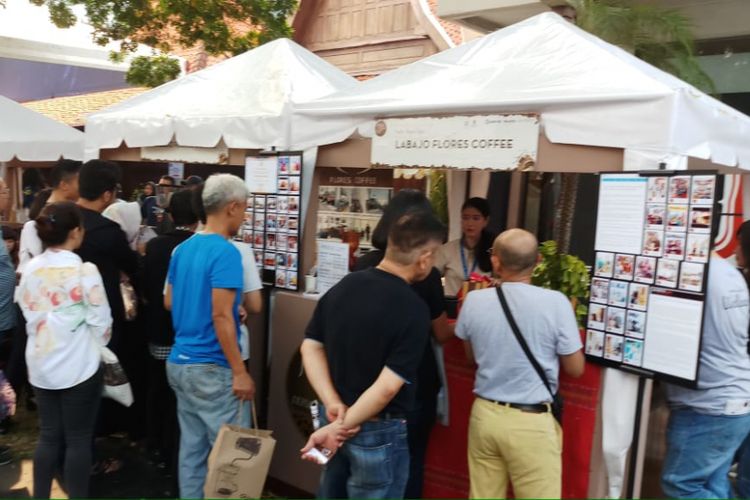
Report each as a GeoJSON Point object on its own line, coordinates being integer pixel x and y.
{"type": "Point", "coordinates": [73, 110]}
{"type": "Point", "coordinates": [453, 29]}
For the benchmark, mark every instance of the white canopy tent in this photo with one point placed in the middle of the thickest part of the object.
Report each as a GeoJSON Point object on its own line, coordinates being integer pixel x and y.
{"type": "Point", "coordinates": [30, 136]}
{"type": "Point", "coordinates": [586, 91]}
{"type": "Point", "coordinates": [246, 101]}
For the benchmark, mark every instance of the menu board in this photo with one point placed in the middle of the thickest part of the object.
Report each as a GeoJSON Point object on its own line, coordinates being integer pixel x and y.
{"type": "Point", "coordinates": [350, 204]}
{"type": "Point", "coordinates": [653, 242]}
{"type": "Point", "coordinates": [272, 219]}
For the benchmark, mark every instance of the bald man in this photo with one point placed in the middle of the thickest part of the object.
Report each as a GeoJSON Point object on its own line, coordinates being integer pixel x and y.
{"type": "Point", "coordinates": [513, 436]}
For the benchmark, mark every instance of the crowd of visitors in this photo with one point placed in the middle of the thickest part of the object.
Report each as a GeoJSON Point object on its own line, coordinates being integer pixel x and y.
{"type": "Point", "coordinates": [173, 306]}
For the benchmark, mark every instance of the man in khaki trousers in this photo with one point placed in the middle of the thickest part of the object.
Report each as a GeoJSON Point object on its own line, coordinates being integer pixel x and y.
{"type": "Point", "coordinates": [513, 437]}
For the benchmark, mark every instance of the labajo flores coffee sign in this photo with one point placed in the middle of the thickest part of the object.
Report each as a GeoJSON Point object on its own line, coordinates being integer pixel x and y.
{"type": "Point", "coordinates": [499, 142]}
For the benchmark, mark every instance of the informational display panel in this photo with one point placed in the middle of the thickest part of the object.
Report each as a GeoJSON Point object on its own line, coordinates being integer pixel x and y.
{"type": "Point", "coordinates": [333, 264]}
{"type": "Point", "coordinates": [653, 243]}
{"type": "Point", "coordinates": [350, 204]}
{"type": "Point", "coordinates": [272, 224]}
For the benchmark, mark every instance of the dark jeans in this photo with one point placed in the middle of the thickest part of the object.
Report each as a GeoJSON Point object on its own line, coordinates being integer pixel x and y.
{"type": "Point", "coordinates": [15, 370]}
{"type": "Point", "coordinates": [163, 429]}
{"type": "Point", "coordinates": [66, 420]}
{"type": "Point", "coordinates": [419, 424]}
{"type": "Point", "coordinates": [700, 451]}
{"type": "Point", "coordinates": [372, 464]}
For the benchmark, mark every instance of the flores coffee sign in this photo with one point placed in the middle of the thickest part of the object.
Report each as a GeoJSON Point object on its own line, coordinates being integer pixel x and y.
{"type": "Point", "coordinates": [502, 142]}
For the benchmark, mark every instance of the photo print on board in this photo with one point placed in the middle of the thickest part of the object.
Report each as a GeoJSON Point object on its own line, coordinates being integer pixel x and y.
{"type": "Point", "coordinates": [624, 266]}
{"type": "Point", "coordinates": [679, 190]}
{"type": "Point", "coordinates": [704, 188]}
{"type": "Point", "coordinates": [691, 276]}
{"type": "Point", "coordinates": [677, 218]}
{"type": "Point", "coordinates": [295, 165]}
{"type": "Point", "coordinates": [653, 242]}
{"type": "Point", "coordinates": [283, 164]}
{"type": "Point", "coordinates": [667, 272]}
{"type": "Point", "coordinates": [615, 320]}
{"type": "Point", "coordinates": [657, 190]}
{"type": "Point", "coordinates": [618, 293]}
{"type": "Point", "coordinates": [599, 290]}
{"type": "Point", "coordinates": [633, 352]}
{"type": "Point", "coordinates": [700, 219]}
{"type": "Point", "coordinates": [645, 269]}
{"type": "Point", "coordinates": [597, 316]}
{"type": "Point", "coordinates": [595, 343]}
{"type": "Point", "coordinates": [604, 264]}
{"type": "Point", "coordinates": [638, 297]}
{"type": "Point", "coordinates": [613, 348]}
{"type": "Point", "coordinates": [269, 260]}
{"type": "Point", "coordinates": [698, 247]}
{"type": "Point", "coordinates": [655, 216]}
{"type": "Point", "coordinates": [635, 324]}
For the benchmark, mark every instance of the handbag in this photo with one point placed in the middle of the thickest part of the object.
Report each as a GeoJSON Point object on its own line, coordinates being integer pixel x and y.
{"type": "Point", "coordinates": [557, 400]}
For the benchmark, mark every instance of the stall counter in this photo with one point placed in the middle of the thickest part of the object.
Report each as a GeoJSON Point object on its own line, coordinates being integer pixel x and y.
{"type": "Point", "coordinates": [289, 392]}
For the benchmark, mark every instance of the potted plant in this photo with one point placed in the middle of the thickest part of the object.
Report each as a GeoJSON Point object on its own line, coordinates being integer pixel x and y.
{"type": "Point", "coordinates": [565, 273]}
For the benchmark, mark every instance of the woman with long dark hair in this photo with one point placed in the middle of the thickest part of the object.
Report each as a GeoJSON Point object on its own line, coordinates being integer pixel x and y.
{"type": "Point", "coordinates": [459, 259]}
{"type": "Point", "coordinates": [67, 320]}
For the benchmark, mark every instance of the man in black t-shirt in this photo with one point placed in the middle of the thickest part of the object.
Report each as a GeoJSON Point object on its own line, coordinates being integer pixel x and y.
{"type": "Point", "coordinates": [361, 352]}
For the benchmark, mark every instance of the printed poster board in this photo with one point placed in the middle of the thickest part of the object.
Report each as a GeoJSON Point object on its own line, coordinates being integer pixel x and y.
{"type": "Point", "coordinates": [654, 237]}
{"type": "Point", "coordinates": [272, 219]}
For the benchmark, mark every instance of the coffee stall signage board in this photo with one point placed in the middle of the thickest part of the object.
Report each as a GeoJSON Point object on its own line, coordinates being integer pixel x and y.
{"type": "Point", "coordinates": [648, 286]}
{"type": "Point", "coordinates": [499, 142]}
{"type": "Point", "coordinates": [272, 219]}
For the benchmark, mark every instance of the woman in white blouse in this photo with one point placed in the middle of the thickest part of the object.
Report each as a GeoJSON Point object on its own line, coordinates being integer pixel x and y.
{"type": "Point", "coordinates": [68, 319]}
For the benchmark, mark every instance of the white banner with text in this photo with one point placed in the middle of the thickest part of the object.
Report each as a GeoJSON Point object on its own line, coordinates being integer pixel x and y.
{"type": "Point", "coordinates": [497, 142]}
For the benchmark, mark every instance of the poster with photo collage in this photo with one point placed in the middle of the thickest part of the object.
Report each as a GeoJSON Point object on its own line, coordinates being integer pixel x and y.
{"type": "Point", "coordinates": [654, 239]}
{"type": "Point", "coordinates": [272, 222]}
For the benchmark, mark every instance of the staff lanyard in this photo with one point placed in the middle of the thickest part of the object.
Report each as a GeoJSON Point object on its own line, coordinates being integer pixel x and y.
{"type": "Point", "coordinates": [467, 274]}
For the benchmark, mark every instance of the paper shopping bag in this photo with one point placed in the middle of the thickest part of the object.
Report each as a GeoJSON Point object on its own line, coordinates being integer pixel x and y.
{"type": "Point", "coordinates": [239, 461]}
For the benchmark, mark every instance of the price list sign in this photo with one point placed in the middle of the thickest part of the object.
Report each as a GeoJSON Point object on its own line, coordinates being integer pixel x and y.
{"type": "Point", "coordinates": [272, 225]}
{"type": "Point", "coordinates": [653, 243]}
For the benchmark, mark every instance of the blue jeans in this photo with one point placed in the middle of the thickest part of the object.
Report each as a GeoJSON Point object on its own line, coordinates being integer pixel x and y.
{"type": "Point", "coordinates": [204, 402]}
{"type": "Point", "coordinates": [372, 464]}
{"type": "Point", "coordinates": [743, 470]}
{"type": "Point", "coordinates": [700, 450]}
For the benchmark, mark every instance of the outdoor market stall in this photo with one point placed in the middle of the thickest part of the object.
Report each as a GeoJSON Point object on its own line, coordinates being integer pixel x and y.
{"type": "Point", "coordinates": [538, 96]}
{"type": "Point", "coordinates": [29, 139]}
{"type": "Point", "coordinates": [235, 116]}
{"type": "Point", "coordinates": [591, 107]}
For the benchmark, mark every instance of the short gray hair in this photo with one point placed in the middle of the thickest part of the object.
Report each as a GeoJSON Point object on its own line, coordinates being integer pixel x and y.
{"type": "Point", "coordinates": [221, 190]}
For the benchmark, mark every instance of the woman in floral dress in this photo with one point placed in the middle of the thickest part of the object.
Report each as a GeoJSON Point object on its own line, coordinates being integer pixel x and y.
{"type": "Point", "coordinates": [68, 319]}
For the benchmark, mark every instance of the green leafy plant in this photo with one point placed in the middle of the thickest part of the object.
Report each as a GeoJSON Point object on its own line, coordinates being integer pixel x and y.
{"type": "Point", "coordinates": [152, 71]}
{"type": "Point", "coordinates": [566, 274]}
{"type": "Point", "coordinates": [439, 195]}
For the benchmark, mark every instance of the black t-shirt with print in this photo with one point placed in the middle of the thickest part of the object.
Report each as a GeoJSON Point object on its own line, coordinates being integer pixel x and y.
{"type": "Point", "coordinates": [369, 320]}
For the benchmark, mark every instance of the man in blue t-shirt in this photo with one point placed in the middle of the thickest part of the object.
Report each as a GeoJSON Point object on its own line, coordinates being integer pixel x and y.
{"type": "Point", "coordinates": [205, 367]}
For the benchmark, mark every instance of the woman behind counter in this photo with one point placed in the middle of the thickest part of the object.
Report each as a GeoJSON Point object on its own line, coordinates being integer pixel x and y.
{"type": "Point", "coordinates": [458, 259]}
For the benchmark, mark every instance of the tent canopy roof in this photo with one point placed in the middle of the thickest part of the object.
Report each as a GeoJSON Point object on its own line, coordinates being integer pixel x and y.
{"type": "Point", "coordinates": [30, 136]}
{"type": "Point", "coordinates": [247, 101]}
{"type": "Point", "coordinates": [587, 92]}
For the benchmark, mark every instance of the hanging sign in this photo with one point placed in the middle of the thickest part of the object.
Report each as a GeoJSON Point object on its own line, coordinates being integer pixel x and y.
{"type": "Point", "coordinates": [498, 142]}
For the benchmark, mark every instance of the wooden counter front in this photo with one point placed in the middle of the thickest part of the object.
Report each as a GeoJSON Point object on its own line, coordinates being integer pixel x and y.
{"type": "Point", "coordinates": [289, 392]}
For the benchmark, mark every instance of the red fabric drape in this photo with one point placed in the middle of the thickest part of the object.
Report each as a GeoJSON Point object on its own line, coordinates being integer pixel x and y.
{"type": "Point", "coordinates": [446, 468]}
